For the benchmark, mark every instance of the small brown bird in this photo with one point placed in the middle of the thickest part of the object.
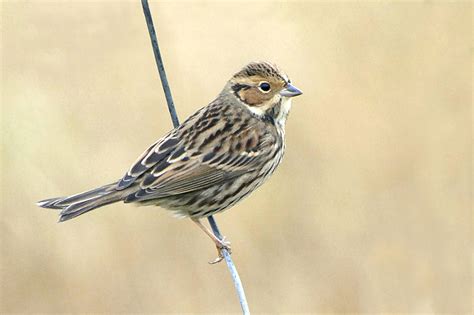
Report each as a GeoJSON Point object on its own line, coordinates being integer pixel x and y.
{"type": "Point", "coordinates": [211, 161]}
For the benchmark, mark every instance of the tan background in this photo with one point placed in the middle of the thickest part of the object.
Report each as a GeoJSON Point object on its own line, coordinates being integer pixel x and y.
{"type": "Point", "coordinates": [369, 213]}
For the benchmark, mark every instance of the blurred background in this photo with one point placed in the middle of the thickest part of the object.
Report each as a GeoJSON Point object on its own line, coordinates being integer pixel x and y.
{"type": "Point", "coordinates": [370, 211]}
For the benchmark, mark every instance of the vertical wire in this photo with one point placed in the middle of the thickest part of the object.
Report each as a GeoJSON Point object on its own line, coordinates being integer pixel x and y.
{"type": "Point", "coordinates": [174, 118]}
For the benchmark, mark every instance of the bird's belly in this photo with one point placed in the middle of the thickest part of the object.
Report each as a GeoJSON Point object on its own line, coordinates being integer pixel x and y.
{"type": "Point", "coordinates": [218, 198]}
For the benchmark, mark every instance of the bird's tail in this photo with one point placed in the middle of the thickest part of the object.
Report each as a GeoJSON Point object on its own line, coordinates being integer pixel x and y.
{"type": "Point", "coordinates": [75, 205]}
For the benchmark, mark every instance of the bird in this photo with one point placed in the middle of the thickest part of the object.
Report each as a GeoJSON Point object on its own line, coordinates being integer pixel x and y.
{"type": "Point", "coordinates": [210, 162]}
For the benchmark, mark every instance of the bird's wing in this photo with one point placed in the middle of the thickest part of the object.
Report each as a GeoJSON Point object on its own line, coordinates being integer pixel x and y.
{"type": "Point", "coordinates": [157, 153]}
{"type": "Point", "coordinates": [182, 165]}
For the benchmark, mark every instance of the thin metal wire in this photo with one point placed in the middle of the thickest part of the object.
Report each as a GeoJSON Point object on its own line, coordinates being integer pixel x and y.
{"type": "Point", "coordinates": [159, 63]}
{"type": "Point", "coordinates": [233, 271]}
{"type": "Point", "coordinates": [174, 119]}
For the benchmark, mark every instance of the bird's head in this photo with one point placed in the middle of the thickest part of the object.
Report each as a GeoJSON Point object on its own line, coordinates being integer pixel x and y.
{"type": "Point", "coordinates": [264, 89]}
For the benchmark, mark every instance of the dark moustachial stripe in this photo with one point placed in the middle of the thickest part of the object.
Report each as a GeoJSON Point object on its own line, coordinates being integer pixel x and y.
{"type": "Point", "coordinates": [274, 110]}
{"type": "Point", "coordinates": [268, 118]}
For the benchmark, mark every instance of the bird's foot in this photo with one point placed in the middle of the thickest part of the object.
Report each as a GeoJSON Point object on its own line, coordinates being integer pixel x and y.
{"type": "Point", "coordinates": [221, 245]}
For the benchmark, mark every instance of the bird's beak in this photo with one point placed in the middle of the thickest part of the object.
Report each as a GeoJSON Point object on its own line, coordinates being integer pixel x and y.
{"type": "Point", "coordinates": [290, 91]}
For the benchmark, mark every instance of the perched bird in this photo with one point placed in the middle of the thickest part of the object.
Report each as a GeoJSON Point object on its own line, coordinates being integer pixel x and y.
{"type": "Point", "coordinates": [211, 161]}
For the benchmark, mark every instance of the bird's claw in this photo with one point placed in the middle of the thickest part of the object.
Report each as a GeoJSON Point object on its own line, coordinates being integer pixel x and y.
{"type": "Point", "coordinates": [221, 245]}
{"type": "Point", "coordinates": [217, 260]}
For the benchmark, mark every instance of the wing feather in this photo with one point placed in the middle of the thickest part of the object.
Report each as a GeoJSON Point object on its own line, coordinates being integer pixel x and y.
{"type": "Point", "coordinates": [195, 156]}
{"type": "Point", "coordinates": [198, 179]}
{"type": "Point", "coordinates": [156, 153]}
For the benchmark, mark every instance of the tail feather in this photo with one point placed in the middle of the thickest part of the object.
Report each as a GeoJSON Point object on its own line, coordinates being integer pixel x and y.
{"type": "Point", "coordinates": [50, 203]}
{"type": "Point", "coordinates": [75, 205]}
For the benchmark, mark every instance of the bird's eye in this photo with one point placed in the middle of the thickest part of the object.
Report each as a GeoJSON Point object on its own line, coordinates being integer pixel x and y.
{"type": "Point", "coordinates": [264, 87]}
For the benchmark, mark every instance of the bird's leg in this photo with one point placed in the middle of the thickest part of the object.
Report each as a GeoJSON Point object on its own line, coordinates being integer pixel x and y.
{"type": "Point", "coordinates": [220, 244]}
